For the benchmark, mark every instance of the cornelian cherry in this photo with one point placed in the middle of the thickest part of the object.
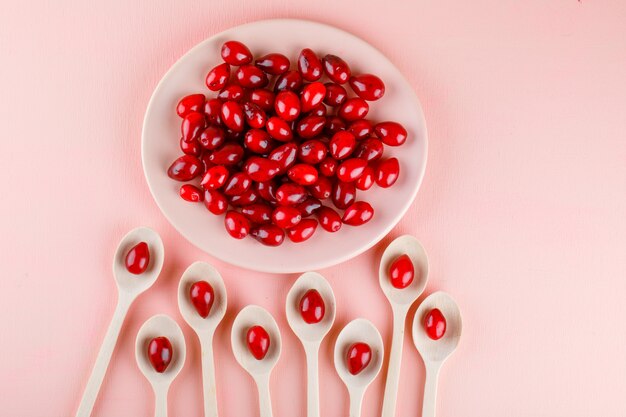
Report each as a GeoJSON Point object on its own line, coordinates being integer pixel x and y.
{"type": "Point", "coordinates": [351, 169]}
{"type": "Point", "coordinates": [193, 124]}
{"type": "Point", "coordinates": [237, 225]}
{"type": "Point", "coordinates": [287, 105]}
{"type": "Point", "coordinates": [160, 353]}
{"type": "Point", "coordinates": [358, 357]}
{"type": "Point", "coordinates": [190, 103]}
{"type": "Point", "coordinates": [274, 64]}
{"type": "Point", "coordinates": [335, 95]}
{"type": "Point", "coordinates": [268, 234]}
{"type": "Point", "coordinates": [236, 53]}
{"type": "Point", "coordinates": [191, 193]}
{"type": "Point", "coordinates": [312, 307]}
{"type": "Point", "coordinates": [202, 297]}
{"type": "Point", "coordinates": [302, 231]}
{"type": "Point", "coordinates": [258, 213]}
{"type": "Point", "coordinates": [309, 65]}
{"type": "Point", "coordinates": [342, 144]}
{"type": "Point", "coordinates": [279, 129]}
{"type": "Point", "coordinates": [353, 109]}
{"type": "Point", "coordinates": [401, 272]}
{"type": "Point", "coordinates": [215, 177]}
{"type": "Point", "coordinates": [367, 86]}
{"type": "Point", "coordinates": [217, 78]}
{"type": "Point", "coordinates": [286, 216]}
{"type": "Point", "coordinates": [185, 168]}
{"type": "Point", "coordinates": [138, 258]}
{"type": "Point", "coordinates": [329, 219]}
{"type": "Point", "coordinates": [387, 172]}
{"type": "Point", "coordinates": [291, 80]}
{"type": "Point", "coordinates": [258, 341]}
{"type": "Point", "coordinates": [310, 126]}
{"type": "Point", "coordinates": [303, 174]}
{"type": "Point", "coordinates": [358, 213]}
{"type": "Point", "coordinates": [336, 69]}
{"type": "Point", "coordinates": [391, 133]}
{"type": "Point", "coordinates": [249, 76]}
{"type": "Point", "coordinates": [312, 95]}
{"type": "Point", "coordinates": [435, 324]}
{"type": "Point", "coordinates": [215, 202]}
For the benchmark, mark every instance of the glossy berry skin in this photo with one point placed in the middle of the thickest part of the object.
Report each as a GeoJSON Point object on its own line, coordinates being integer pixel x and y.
{"type": "Point", "coordinates": [319, 110]}
{"type": "Point", "coordinates": [190, 148]}
{"type": "Point", "coordinates": [353, 109]}
{"type": "Point", "coordinates": [274, 64]}
{"type": "Point", "coordinates": [290, 194]}
{"type": "Point", "coordinates": [328, 166]}
{"type": "Point", "coordinates": [258, 341]}
{"type": "Point", "coordinates": [358, 213]}
{"type": "Point", "coordinates": [351, 169]}
{"type": "Point", "coordinates": [185, 168]}
{"type": "Point", "coordinates": [237, 225]}
{"type": "Point", "coordinates": [333, 125]}
{"type": "Point", "coordinates": [202, 297]}
{"type": "Point", "coordinates": [250, 76]}
{"type": "Point", "coordinates": [435, 324]}
{"type": "Point", "coordinates": [310, 126]}
{"type": "Point", "coordinates": [291, 80]}
{"type": "Point", "coordinates": [231, 92]}
{"type": "Point", "coordinates": [268, 234]}
{"type": "Point", "coordinates": [342, 144]}
{"type": "Point", "coordinates": [303, 174]}
{"type": "Point", "coordinates": [312, 95]}
{"type": "Point", "coordinates": [261, 169]}
{"type": "Point", "coordinates": [258, 141]}
{"type": "Point", "coordinates": [367, 86]}
{"type": "Point", "coordinates": [217, 78]}
{"type": "Point", "coordinates": [344, 194]}
{"type": "Point", "coordinates": [237, 184]}
{"type": "Point", "coordinates": [302, 231]}
{"type": "Point", "coordinates": [193, 123]}
{"type": "Point", "coordinates": [312, 151]}
{"type": "Point", "coordinates": [387, 172]}
{"type": "Point", "coordinates": [236, 53]}
{"type": "Point", "coordinates": [335, 95]}
{"type": "Point", "coordinates": [212, 138]}
{"type": "Point", "coordinates": [263, 98]}
{"type": "Point", "coordinates": [287, 105]}
{"type": "Point", "coordinates": [190, 103]}
{"type": "Point", "coordinates": [232, 115]}
{"type": "Point", "coordinates": [212, 110]}
{"type": "Point", "coordinates": [370, 149]}
{"type": "Point", "coordinates": [322, 188]}
{"type": "Point", "coordinates": [285, 155]}
{"type": "Point", "coordinates": [215, 177]}
{"type": "Point", "coordinates": [391, 133]}
{"type": "Point", "coordinates": [266, 190]}
{"type": "Point", "coordinates": [366, 180]}
{"type": "Point", "coordinates": [215, 202]}
{"type": "Point", "coordinates": [229, 154]}
{"type": "Point", "coordinates": [160, 353]}
{"type": "Point", "coordinates": [247, 198]}
{"type": "Point", "coordinates": [279, 129]}
{"type": "Point", "coordinates": [191, 193]}
{"type": "Point", "coordinates": [309, 65]}
{"type": "Point", "coordinates": [258, 213]}
{"type": "Point", "coordinates": [329, 219]}
{"type": "Point", "coordinates": [312, 307]}
{"type": "Point", "coordinates": [401, 272]}
{"type": "Point", "coordinates": [309, 206]}
{"type": "Point", "coordinates": [361, 128]}
{"type": "Point", "coordinates": [358, 357]}
{"type": "Point", "coordinates": [254, 115]}
{"type": "Point", "coordinates": [286, 216]}
{"type": "Point", "coordinates": [336, 69]}
{"type": "Point", "coordinates": [138, 259]}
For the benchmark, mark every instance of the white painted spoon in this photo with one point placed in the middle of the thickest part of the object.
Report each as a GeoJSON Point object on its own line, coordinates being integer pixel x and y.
{"type": "Point", "coordinates": [260, 370]}
{"type": "Point", "coordinates": [359, 330]}
{"type": "Point", "coordinates": [129, 286]}
{"type": "Point", "coordinates": [435, 352]}
{"type": "Point", "coordinates": [204, 327]}
{"type": "Point", "coordinates": [400, 300]}
{"type": "Point", "coordinates": [311, 335]}
{"type": "Point", "coordinates": [160, 325]}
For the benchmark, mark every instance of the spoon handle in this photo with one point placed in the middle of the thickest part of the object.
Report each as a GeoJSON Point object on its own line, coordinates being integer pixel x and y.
{"type": "Point", "coordinates": [160, 405]}
{"type": "Point", "coordinates": [265, 403]}
{"type": "Point", "coordinates": [104, 357]}
{"type": "Point", "coordinates": [356, 400]}
{"type": "Point", "coordinates": [395, 358]}
{"type": "Point", "coordinates": [208, 377]}
{"type": "Point", "coordinates": [430, 391]}
{"type": "Point", "coordinates": [312, 386]}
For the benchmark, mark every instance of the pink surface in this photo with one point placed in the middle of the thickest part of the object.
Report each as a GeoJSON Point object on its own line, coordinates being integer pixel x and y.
{"type": "Point", "coordinates": [522, 209]}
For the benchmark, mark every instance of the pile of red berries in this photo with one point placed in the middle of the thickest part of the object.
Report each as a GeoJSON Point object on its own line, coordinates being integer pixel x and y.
{"type": "Point", "coordinates": [275, 154]}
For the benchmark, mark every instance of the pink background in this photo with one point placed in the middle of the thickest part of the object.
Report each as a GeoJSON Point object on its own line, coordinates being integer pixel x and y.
{"type": "Point", "coordinates": [522, 209]}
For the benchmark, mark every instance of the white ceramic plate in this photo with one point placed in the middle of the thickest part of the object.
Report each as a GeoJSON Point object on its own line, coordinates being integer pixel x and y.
{"type": "Point", "coordinates": [161, 133]}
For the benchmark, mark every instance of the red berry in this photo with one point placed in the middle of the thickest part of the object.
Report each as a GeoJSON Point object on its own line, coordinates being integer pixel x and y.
{"type": "Point", "coordinates": [303, 174]}
{"type": "Point", "coordinates": [249, 76]}
{"type": "Point", "coordinates": [366, 180]}
{"type": "Point", "coordinates": [367, 86]}
{"type": "Point", "coordinates": [217, 78]}
{"type": "Point", "coordinates": [336, 69]}
{"type": "Point", "coordinates": [258, 342]}
{"type": "Point", "coordinates": [258, 213]}
{"type": "Point", "coordinates": [232, 115]}
{"type": "Point", "coordinates": [274, 64]}
{"type": "Point", "coordinates": [328, 166]}
{"type": "Point", "coordinates": [160, 353]}
{"type": "Point", "coordinates": [266, 190]}
{"type": "Point", "coordinates": [193, 124]}
{"type": "Point", "coordinates": [312, 307]}
{"type": "Point", "coordinates": [361, 128]}
{"type": "Point", "coordinates": [279, 129]}
{"type": "Point", "coordinates": [231, 92]}
{"type": "Point", "coordinates": [312, 151]}
{"type": "Point", "coordinates": [286, 216]}
{"type": "Point", "coordinates": [237, 225]}
{"type": "Point", "coordinates": [287, 105]}
{"type": "Point", "coordinates": [312, 95]}
{"type": "Point", "coordinates": [290, 194]}
{"type": "Point", "coordinates": [310, 126]}
{"type": "Point", "coordinates": [237, 184]}
{"type": "Point", "coordinates": [309, 65]}
{"type": "Point", "coordinates": [322, 188]}
{"type": "Point", "coordinates": [229, 154]}
{"type": "Point", "coordinates": [435, 324]}
{"type": "Point", "coordinates": [244, 199]}
{"type": "Point", "coordinates": [369, 149]}
{"type": "Point", "coordinates": [291, 80]}
{"type": "Point", "coordinates": [191, 193]}
{"type": "Point", "coordinates": [185, 168]}
{"type": "Point", "coordinates": [236, 53]}
{"type": "Point", "coordinates": [358, 357]}
{"type": "Point", "coordinates": [202, 297]}
{"type": "Point", "coordinates": [263, 98]}
{"type": "Point", "coordinates": [302, 231]}
{"type": "Point", "coordinates": [401, 272]}
{"type": "Point", "coordinates": [335, 95]}
{"type": "Point", "coordinates": [342, 144]}
{"type": "Point", "coordinates": [212, 138]}
{"type": "Point", "coordinates": [190, 103]}
{"type": "Point", "coordinates": [391, 133]}
{"type": "Point", "coordinates": [258, 141]}
{"type": "Point", "coordinates": [329, 219]}
{"type": "Point", "coordinates": [344, 194]}
{"type": "Point", "coordinates": [261, 169]}
{"type": "Point", "coordinates": [333, 125]}
{"type": "Point", "coordinates": [387, 172]}
{"type": "Point", "coordinates": [285, 155]}
{"type": "Point", "coordinates": [212, 110]}
{"type": "Point", "coordinates": [254, 115]}
{"type": "Point", "coordinates": [138, 258]}
{"type": "Point", "coordinates": [353, 109]}
{"type": "Point", "coordinates": [358, 213]}
{"type": "Point", "coordinates": [215, 202]}
{"type": "Point", "coordinates": [309, 206]}
{"type": "Point", "coordinates": [190, 148]}
{"type": "Point", "coordinates": [319, 110]}
{"type": "Point", "coordinates": [351, 169]}
{"type": "Point", "coordinates": [268, 234]}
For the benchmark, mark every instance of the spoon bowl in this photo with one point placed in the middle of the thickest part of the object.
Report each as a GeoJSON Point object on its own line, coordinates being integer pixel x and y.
{"type": "Point", "coordinates": [359, 330]}
{"type": "Point", "coordinates": [413, 248]}
{"type": "Point", "coordinates": [437, 350]}
{"type": "Point", "coordinates": [305, 331]}
{"type": "Point", "coordinates": [201, 271]}
{"type": "Point", "coordinates": [136, 284]}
